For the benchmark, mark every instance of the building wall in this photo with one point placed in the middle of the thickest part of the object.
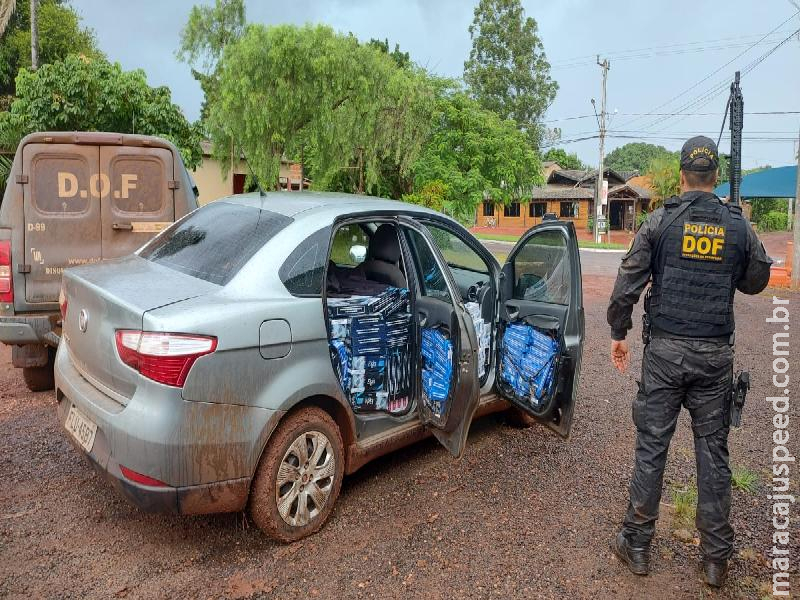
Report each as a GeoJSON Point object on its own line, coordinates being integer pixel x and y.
{"type": "Point", "coordinates": [525, 221]}
{"type": "Point", "coordinates": [212, 185]}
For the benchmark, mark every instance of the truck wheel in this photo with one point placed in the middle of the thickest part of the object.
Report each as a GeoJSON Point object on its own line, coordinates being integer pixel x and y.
{"type": "Point", "coordinates": [40, 379]}
{"type": "Point", "coordinates": [299, 477]}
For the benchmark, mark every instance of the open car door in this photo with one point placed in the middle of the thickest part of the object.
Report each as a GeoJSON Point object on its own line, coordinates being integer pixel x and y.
{"type": "Point", "coordinates": [448, 390]}
{"type": "Point", "coordinates": [541, 324]}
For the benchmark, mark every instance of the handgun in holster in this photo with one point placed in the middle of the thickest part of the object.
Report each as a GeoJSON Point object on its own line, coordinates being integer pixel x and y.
{"type": "Point", "coordinates": [646, 323]}
{"type": "Point", "coordinates": [738, 396]}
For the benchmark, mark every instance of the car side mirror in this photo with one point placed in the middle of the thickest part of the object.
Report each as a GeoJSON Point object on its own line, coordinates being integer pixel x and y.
{"type": "Point", "coordinates": [358, 253]}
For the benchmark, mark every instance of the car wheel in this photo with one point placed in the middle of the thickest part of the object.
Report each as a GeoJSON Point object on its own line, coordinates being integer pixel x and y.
{"type": "Point", "coordinates": [40, 379]}
{"type": "Point", "coordinates": [299, 477]}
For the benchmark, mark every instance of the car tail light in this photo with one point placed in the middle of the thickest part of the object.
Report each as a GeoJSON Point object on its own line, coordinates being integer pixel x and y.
{"type": "Point", "coordinates": [62, 301]}
{"type": "Point", "coordinates": [135, 477]}
{"type": "Point", "coordinates": [162, 357]}
{"type": "Point", "coordinates": [6, 285]}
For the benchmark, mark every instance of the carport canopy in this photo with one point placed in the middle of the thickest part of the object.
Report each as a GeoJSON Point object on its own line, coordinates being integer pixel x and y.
{"type": "Point", "coordinates": [779, 182]}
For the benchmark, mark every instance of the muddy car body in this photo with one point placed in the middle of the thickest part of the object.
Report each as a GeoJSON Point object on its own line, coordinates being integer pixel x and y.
{"type": "Point", "coordinates": [205, 372]}
{"type": "Point", "coordinates": [71, 199]}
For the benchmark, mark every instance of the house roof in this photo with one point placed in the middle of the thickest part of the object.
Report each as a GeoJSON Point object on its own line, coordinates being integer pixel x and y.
{"type": "Point", "coordinates": [583, 177]}
{"type": "Point", "coordinates": [640, 192]}
{"type": "Point", "coordinates": [553, 192]}
{"type": "Point", "coordinates": [778, 182]}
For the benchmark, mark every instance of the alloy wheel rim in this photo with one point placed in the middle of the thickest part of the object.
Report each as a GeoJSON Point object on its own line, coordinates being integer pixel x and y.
{"type": "Point", "coordinates": [305, 478]}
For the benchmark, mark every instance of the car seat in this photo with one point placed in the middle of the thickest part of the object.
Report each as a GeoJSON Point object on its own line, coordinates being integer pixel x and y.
{"type": "Point", "coordinates": [383, 257]}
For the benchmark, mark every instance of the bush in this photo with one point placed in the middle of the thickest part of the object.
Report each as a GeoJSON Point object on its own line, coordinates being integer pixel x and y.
{"type": "Point", "coordinates": [773, 221]}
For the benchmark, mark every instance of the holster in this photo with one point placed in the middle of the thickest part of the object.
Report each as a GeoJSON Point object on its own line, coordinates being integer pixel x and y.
{"type": "Point", "coordinates": [647, 325]}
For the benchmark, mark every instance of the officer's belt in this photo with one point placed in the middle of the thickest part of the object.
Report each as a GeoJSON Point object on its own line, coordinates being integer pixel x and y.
{"type": "Point", "coordinates": [660, 333]}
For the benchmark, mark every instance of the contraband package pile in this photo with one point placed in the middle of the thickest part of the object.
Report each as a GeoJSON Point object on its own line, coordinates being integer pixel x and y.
{"type": "Point", "coordinates": [370, 347]}
{"type": "Point", "coordinates": [528, 362]}
{"type": "Point", "coordinates": [437, 370]}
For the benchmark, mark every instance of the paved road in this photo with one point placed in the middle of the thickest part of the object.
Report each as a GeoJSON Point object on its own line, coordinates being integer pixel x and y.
{"type": "Point", "coordinates": [593, 262]}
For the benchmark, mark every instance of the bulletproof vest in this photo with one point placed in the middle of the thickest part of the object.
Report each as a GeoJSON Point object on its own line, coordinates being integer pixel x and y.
{"type": "Point", "coordinates": [698, 261]}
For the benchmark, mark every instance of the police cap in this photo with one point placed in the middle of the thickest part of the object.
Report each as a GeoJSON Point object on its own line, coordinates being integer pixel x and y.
{"type": "Point", "coordinates": [699, 154]}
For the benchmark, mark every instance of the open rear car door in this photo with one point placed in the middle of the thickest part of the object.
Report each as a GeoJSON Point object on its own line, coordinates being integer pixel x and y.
{"type": "Point", "coordinates": [541, 327]}
{"type": "Point", "coordinates": [448, 392]}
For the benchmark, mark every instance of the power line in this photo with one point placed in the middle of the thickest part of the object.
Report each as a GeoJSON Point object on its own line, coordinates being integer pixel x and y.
{"type": "Point", "coordinates": [675, 114]}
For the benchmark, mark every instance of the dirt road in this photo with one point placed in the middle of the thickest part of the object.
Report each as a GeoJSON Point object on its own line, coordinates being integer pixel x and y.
{"type": "Point", "coordinates": [523, 514]}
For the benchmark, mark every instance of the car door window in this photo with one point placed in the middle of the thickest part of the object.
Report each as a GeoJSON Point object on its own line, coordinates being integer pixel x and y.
{"type": "Point", "coordinates": [431, 279]}
{"type": "Point", "coordinates": [542, 269]}
{"type": "Point", "coordinates": [350, 245]}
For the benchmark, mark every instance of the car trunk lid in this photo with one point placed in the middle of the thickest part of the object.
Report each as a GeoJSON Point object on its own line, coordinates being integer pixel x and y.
{"type": "Point", "coordinates": [114, 295]}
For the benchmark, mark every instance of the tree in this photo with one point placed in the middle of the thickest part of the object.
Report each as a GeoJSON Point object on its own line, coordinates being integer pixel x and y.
{"type": "Point", "coordinates": [666, 178]}
{"type": "Point", "coordinates": [636, 156]}
{"type": "Point", "coordinates": [60, 34]}
{"type": "Point", "coordinates": [204, 38]}
{"type": "Point", "coordinates": [564, 160]}
{"type": "Point", "coordinates": [472, 154]}
{"type": "Point", "coordinates": [83, 94]}
{"type": "Point", "coordinates": [403, 59]}
{"type": "Point", "coordinates": [310, 90]}
{"type": "Point", "coordinates": [507, 71]}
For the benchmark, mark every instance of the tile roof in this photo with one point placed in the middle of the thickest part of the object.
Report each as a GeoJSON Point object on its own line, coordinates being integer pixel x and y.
{"type": "Point", "coordinates": [553, 192]}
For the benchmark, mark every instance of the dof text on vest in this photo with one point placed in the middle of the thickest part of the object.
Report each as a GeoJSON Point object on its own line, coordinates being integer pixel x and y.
{"type": "Point", "coordinates": [697, 264]}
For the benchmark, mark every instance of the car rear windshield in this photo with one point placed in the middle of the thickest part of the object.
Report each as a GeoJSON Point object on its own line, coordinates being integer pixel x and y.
{"type": "Point", "coordinates": [214, 242]}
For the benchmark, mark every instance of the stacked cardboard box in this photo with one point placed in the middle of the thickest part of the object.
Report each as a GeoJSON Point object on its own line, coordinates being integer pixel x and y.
{"type": "Point", "coordinates": [370, 349]}
{"type": "Point", "coordinates": [484, 332]}
{"type": "Point", "coordinates": [528, 358]}
{"type": "Point", "coordinates": [437, 369]}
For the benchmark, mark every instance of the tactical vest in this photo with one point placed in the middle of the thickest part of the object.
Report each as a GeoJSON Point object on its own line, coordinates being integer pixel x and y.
{"type": "Point", "coordinates": [697, 263]}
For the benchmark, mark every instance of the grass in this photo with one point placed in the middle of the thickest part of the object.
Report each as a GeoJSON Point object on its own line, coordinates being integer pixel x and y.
{"type": "Point", "coordinates": [684, 499]}
{"type": "Point", "coordinates": [497, 237]}
{"type": "Point", "coordinates": [744, 479]}
{"type": "Point", "coordinates": [502, 237]}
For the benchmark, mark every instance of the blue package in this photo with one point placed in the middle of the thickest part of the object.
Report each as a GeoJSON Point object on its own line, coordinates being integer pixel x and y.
{"type": "Point", "coordinates": [528, 362]}
{"type": "Point", "coordinates": [437, 370]}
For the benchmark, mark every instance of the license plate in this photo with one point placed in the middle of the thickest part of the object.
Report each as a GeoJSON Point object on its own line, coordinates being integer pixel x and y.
{"type": "Point", "coordinates": [81, 428]}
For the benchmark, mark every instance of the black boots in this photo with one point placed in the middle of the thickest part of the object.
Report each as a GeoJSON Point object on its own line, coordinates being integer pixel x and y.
{"type": "Point", "coordinates": [715, 573]}
{"type": "Point", "coordinates": [636, 559]}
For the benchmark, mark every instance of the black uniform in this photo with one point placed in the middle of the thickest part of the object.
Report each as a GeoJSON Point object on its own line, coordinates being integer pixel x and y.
{"type": "Point", "coordinates": [696, 264]}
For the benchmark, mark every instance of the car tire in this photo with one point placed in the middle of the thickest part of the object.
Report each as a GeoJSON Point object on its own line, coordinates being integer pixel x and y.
{"type": "Point", "coordinates": [40, 379]}
{"type": "Point", "coordinates": [286, 480]}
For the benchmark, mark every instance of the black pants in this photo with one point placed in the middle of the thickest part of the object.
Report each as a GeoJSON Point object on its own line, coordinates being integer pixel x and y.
{"type": "Point", "coordinates": [695, 374]}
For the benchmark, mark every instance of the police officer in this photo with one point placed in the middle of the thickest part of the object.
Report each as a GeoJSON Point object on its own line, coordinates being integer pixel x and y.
{"type": "Point", "coordinates": [697, 251]}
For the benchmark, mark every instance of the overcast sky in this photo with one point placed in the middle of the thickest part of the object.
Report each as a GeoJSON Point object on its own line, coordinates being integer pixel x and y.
{"type": "Point", "coordinates": [657, 53]}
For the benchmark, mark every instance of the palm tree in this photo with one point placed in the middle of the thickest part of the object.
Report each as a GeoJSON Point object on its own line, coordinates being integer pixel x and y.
{"type": "Point", "coordinates": [7, 8]}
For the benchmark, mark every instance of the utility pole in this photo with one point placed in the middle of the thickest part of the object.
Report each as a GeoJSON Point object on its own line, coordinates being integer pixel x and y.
{"type": "Point", "coordinates": [598, 197]}
{"type": "Point", "coordinates": [796, 254]}
{"type": "Point", "coordinates": [34, 35]}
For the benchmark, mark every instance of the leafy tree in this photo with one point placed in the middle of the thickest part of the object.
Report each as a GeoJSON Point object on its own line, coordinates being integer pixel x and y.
{"type": "Point", "coordinates": [85, 94]}
{"type": "Point", "coordinates": [636, 156]}
{"type": "Point", "coordinates": [507, 71]}
{"type": "Point", "coordinates": [564, 160]}
{"type": "Point", "coordinates": [666, 177]}
{"type": "Point", "coordinates": [60, 34]}
{"type": "Point", "coordinates": [473, 153]}
{"type": "Point", "coordinates": [403, 59]}
{"type": "Point", "coordinates": [288, 90]}
{"type": "Point", "coordinates": [204, 38]}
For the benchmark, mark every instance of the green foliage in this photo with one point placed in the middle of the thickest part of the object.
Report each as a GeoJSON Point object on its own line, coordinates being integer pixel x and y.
{"type": "Point", "coordinates": [641, 218]}
{"type": "Point", "coordinates": [402, 59]}
{"type": "Point", "coordinates": [770, 214]}
{"type": "Point", "coordinates": [666, 174]}
{"type": "Point", "coordinates": [310, 91]}
{"type": "Point", "coordinates": [85, 94]}
{"type": "Point", "coordinates": [5, 171]}
{"type": "Point", "coordinates": [475, 154]}
{"type": "Point", "coordinates": [60, 34]}
{"type": "Point", "coordinates": [203, 40]}
{"type": "Point", "coordinates": [431, 195]}
{"type": "Point", "coordinates": [507, 71]}
{"type": "Point", "coordinates": [684, 500]}
{"type": "Point", "coordinates": [744, 479]}
{"type": "Point", "coordinates": [637, 156]}
{"type": "Point", "coordinates": [564, 160]}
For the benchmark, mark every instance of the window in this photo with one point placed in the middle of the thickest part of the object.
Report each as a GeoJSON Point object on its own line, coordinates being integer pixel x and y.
{"type": "Point", "coordinates": [215, 242]}
{"type": "Point", "coordinates": [350, 245]}
{"type": "Point", "coordinates": [432, 281]}
{"type": "Point", "coordinates": [302, 271]}
{"type": "Point", "coordinates": [542, 269]}
{"type": "Point", "coordinates": [537, 209]}
{"type": "Point", "coordinates": [569, 209]}
{"type": "Point", "coordinates": [455, 251]}
{"type": "Point", "coordinates": [488, 209]}
{"type": "Point", "coordinates": [511, 210]}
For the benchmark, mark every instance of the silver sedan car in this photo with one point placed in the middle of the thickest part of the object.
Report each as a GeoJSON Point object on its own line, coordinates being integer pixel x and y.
{"type": "Point", "coordinates": [266, 345]}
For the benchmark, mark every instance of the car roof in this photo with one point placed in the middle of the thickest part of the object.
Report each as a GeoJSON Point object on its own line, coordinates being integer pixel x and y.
{"type": "Point", "coordinates": [293, 204]}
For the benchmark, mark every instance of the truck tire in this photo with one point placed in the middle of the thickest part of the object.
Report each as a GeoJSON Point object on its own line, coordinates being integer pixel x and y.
{"type": "Point", "coordinates": [299, 476]}
{"type": "Point", "coordinates": [40, 379]}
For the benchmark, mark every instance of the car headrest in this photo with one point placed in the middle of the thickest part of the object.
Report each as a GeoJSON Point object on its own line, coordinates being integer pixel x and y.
{"type": "Point", "coordinates": [384, 244]}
